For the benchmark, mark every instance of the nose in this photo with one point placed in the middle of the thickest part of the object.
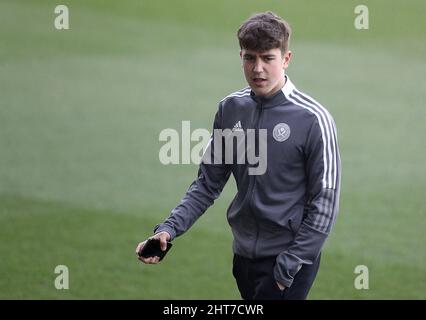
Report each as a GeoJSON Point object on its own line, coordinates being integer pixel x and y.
{"type": "Point", "coordinates": [258, 66]}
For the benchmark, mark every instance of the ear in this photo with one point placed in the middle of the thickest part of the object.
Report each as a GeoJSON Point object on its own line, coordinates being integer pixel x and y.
{"type": "Point", "coordinates": [286, 59]}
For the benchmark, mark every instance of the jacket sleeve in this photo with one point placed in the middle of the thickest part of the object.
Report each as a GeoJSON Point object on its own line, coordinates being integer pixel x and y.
{"type": "Point", "coordinates": [322, 167]}
{"type": "Point", "coordinates": [212, 177]}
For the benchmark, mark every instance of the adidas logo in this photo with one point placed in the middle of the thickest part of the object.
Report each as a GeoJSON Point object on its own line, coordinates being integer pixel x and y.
{"type": "Point", "coordinates": [237, 127]}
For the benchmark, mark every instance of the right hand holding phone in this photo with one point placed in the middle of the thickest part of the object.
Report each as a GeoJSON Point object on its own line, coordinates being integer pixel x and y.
{"type": "Point", "coordinates": [164, 237]}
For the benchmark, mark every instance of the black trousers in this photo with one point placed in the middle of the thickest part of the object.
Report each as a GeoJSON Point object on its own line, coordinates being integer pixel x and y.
{"type": "Point", "coordinates": [255, 279]}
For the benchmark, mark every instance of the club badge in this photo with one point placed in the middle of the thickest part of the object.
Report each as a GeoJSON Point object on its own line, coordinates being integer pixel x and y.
{"type": "Point", "coordinates": [281, 132]}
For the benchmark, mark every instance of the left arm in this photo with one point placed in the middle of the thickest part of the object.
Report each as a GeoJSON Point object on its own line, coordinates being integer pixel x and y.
{"type": "Point", "coordinates": [322, 165]}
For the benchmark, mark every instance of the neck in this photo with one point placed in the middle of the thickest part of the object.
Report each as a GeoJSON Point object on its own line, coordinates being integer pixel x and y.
{"type": "Point", "coordinates": [278, 87]}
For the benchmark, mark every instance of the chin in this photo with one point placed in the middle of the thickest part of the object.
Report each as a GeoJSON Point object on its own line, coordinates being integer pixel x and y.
{"type": "Point", "coordinates": [261, 92]}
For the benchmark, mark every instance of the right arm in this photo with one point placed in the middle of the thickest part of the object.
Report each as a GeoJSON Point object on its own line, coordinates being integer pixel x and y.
{"type": "Point", "coordinates": [201, 194]}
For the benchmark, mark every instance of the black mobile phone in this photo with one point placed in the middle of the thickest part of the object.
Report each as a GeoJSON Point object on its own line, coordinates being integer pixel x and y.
{"type": "Point", "coordinates": [152, 249]}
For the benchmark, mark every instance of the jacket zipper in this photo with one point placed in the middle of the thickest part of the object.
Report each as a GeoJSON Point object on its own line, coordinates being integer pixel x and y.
{"type": "Point", "coordinates": [251, 192]}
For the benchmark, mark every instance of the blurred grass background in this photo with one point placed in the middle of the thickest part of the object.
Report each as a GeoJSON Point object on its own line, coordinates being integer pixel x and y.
{"type": "Point", "coordinates": [80, 115]}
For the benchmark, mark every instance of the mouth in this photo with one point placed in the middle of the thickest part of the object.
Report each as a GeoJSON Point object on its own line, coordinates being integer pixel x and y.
{"type": "Point", "coordinates": [259, 81]}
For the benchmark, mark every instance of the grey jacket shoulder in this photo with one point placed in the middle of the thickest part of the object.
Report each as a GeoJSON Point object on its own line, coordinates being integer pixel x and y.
{"type": "Point", "coordinates": [237, 96]}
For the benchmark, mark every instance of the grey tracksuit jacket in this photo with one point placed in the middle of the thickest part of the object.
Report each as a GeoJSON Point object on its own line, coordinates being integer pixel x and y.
{"type": "Point", "coordinates": [289, 209]}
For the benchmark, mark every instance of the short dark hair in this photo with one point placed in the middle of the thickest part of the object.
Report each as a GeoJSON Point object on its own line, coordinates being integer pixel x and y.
{"type": "Point", "coordinates": [264, 31]}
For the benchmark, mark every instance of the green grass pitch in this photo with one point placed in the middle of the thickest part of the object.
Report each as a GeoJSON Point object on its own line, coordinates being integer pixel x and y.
{"type": "Point", "coordinates": [80, 114]}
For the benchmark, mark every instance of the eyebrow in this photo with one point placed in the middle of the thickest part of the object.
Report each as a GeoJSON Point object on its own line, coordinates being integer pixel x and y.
{"type": "Point", "coordinates": [249, 55]}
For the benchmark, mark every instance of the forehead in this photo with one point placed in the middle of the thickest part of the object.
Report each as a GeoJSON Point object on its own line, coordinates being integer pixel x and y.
{"type": "Point", "coordinates": [274, 52]}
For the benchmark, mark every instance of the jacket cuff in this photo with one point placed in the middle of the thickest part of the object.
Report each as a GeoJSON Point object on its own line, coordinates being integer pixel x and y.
{"type": "Point", "coordinates": [287, 282]}
{"type": "Point", "coordinates": [285, 277]}
{"type": "Point", "coordinates": [162, 227]}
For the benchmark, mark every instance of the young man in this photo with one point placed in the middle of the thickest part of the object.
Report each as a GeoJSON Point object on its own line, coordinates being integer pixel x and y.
{"type": "Point", "coordinates": [283, 213]}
